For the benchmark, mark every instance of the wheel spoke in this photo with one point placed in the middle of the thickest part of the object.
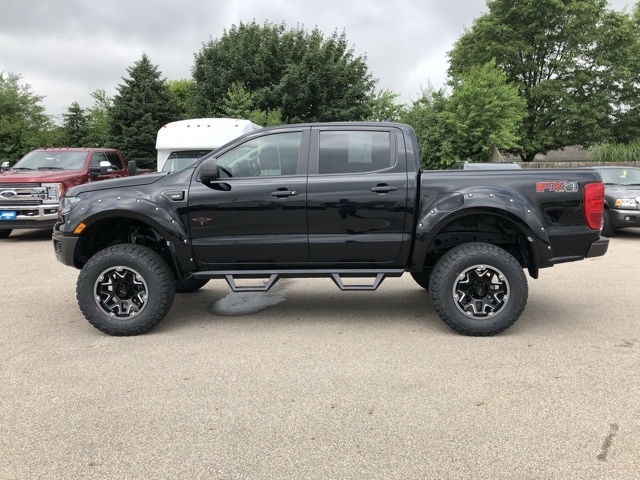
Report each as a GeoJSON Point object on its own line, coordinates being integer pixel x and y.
{"type": "Point", "coordinates": [481, 291]}
{"type": "Point", "coordinates": [121, 292]}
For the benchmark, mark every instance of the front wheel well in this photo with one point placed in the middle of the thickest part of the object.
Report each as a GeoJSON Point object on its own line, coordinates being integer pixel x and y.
{"type": "Point", "coordinates": [115, 231]}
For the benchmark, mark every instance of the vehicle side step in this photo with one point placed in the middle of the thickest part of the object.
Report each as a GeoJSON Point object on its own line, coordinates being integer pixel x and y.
{"type": "Point", "coordinates": [264, 280]}
{"type": "Point", "coordinates": [337, 279]}
{"type": "Point", "coordinates": [263, 287]}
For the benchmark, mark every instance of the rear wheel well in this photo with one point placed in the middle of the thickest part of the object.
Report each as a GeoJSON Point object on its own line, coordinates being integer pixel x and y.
{"type": "Point", "coordinates": [485, 228]}
{"type": "Point", "coordinates": [115, 231]}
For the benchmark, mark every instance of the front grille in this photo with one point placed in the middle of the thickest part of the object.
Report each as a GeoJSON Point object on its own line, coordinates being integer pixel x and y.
{"type": "Point", "coordinates": [12, 186]}
{"type": "Point", "coordinates": [16, 195]}
{"type": "Point", "coordinates": [19, 203]}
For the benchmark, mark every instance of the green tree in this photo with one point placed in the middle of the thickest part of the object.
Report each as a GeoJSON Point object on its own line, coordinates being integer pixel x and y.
{"type": "Point", "coordinates": [309, 77]}
{"type": "Point", "coordinates": [99, 120]}
{"type": "Point", "coordinates": [483, 113]}
{"type": "Point", "coordinates": [384, 107]}
{"type": "Point", "coordinates": [74, 126]}
{"type": "Point", "coordinates": [568, 59]}
{"type": "Point", "coordinates": [239, 103]}
{"type": "Point", "coordinates": [23, 122]}
{"type": "Point", "coordinates": [626, 127]}
{"type": "Point", "coordinates": [427, 117]}
{"type": "Point", "coordinates": [140, 108]}
{"type": "Point", "coordinates": [181, 92]}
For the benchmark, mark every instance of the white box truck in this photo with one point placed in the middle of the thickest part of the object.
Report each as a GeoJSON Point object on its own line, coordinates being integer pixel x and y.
{"type": "Point", "coordinates": [180, 144]}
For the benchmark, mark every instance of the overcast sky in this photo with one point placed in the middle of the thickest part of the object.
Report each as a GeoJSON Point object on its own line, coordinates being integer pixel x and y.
{"type": "Point", "coordinates": [67, 49]}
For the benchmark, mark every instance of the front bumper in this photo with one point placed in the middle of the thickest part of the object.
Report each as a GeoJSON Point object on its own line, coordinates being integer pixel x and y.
{"type": "Point", "coordinates": [30, 216]}
{"type": "Point", "coordinates": [64, 246]}
{"type": "Point", "coordinates": [624, 218]}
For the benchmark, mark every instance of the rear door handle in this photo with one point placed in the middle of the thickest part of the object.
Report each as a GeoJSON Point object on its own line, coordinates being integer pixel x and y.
{"type": "Point", "coordinates": [384, 188]}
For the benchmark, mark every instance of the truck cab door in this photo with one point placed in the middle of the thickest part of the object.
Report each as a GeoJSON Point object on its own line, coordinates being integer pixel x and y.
{"type": "Point", "coordinates": [254, 213]}
{"type": "Point", "coordinates": [357, 197]}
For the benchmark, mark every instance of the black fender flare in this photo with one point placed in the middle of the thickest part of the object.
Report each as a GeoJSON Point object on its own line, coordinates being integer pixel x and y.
{"type": "Point", "coordinates": [437, 212]}
{"type": "Point", "coordinates": [163, 219]}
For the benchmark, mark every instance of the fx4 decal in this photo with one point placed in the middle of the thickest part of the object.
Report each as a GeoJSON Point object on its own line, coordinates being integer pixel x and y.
{"type": "Point", "coordinates": [557, 187]}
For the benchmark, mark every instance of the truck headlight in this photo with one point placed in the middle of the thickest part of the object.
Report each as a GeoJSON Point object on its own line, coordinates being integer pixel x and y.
{"type": "Point", "coordinates": [52, 192]}
{"type": "Point", "coordinates": [67, 204]}
{"type": "Point", "coordinates": [626, 202]}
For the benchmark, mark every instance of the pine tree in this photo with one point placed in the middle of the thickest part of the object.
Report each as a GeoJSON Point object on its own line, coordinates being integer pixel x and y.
{"type": "Point", "coordinates": [141, 107]}
{"type": "Point", "coordinates": [74, 126]}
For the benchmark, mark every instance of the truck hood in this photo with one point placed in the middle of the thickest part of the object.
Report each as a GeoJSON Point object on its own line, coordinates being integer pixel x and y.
{"type": "Point", "coordinates": [39, 176]}
{"type": "Point", "coordinates": [145, 179]}
{"type": "Point", "coordinates": [619, 191]}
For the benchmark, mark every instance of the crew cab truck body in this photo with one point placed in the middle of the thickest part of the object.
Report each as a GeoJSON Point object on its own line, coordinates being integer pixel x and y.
{"type": "Point", "coordinates": [341, 200]}
{"type": "Point", "coordinates": [30, 191]}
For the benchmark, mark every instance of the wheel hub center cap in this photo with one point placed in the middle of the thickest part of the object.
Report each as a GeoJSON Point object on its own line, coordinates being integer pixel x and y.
{"type": "Point", "coordinates": [124, 290]}
{"type": "Point", "coordinates": [479, 290]}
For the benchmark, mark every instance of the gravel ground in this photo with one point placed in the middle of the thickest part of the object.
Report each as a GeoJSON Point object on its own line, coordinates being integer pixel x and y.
{"type": "Point", "coordinates": [311, 382]}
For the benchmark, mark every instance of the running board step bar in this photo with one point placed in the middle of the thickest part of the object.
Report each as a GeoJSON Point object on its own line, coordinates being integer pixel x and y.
{"type": "Point", "coordinates": [267, 279]}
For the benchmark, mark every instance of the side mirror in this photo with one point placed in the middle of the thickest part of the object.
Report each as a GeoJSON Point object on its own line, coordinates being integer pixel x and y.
{"type": "Point", "coordinates": [132, 167]}
{"type": "Point", "coordinates": [209, 170]}
{"type": "Point", "coordinates": [105, 168]}
{"type": "Point", "coordinates": [4, 167]}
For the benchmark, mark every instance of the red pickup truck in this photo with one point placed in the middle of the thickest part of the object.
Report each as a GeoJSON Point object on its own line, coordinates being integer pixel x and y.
{"type": "Point", "coordinates": [30, 191]}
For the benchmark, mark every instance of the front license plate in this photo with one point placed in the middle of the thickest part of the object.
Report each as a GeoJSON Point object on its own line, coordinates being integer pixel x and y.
{"type": "Point", "coordinates": [5, 215]}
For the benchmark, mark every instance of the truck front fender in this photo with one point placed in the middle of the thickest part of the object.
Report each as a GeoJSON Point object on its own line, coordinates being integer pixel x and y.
{"type": "Point", "coordinates": [100, 212]}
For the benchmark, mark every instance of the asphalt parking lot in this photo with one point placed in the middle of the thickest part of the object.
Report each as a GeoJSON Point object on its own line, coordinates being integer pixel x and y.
{"type": "Point", "coordinates": [308, 382]}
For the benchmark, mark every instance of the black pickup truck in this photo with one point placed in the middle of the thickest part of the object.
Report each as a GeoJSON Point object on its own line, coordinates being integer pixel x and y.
{"type": "Point", "coordinates": [346, 201]}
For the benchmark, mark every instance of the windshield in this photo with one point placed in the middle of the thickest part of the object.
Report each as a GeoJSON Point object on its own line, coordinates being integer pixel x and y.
{"type": "Point", "coordinates": [51, 160]}
{"type": "Point", "coordinates": [180, 160]}
{"type": "Point", "coordinates": [620, 176]}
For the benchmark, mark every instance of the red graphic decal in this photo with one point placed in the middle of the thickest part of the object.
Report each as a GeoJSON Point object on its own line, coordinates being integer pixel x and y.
{"type": "Point", "coordinates": [201, 220]}
{"type": "Point", "coordinates": [557, 187]}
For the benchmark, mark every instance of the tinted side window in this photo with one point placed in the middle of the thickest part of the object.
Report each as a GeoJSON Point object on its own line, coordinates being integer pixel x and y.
{"type": "Point", "coordinates": [114, 160]}
{"type": "Point", "coordinates": [354, 152]}
{"type": "Point", "coordinates": [271, 155]}
{"type": "Point", "coordinates": [96, 158]}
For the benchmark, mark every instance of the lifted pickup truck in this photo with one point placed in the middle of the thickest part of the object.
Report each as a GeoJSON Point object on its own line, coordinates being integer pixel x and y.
{"type": "Point", "coordinates": [340, 200]}
{"type": "Point", "coordinates": [30, 190]}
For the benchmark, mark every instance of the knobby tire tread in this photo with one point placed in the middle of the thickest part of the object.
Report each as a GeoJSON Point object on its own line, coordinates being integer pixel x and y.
{"type": "Point", "coordinates": [150, 259]}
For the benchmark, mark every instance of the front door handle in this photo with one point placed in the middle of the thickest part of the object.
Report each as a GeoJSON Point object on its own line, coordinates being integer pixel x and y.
{"type": "Point", "coordinates": [384, 188]}
{"type": "Point", "coordinates": [284, 192]}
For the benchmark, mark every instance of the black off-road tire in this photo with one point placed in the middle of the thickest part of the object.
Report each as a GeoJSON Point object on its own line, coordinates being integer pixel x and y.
{"type": "Point", "coordinates": [608, 230]}
{"type": "Point", "coordinates": [478, 289]}
{"type": "Point", "coordinates": [4, 233]}
{"type": "Point", "coordinates": [190, 285]}
{"type": "Point", "coordinates": [125, 289]}
{"type": "Point", "coordinates": [422, 279]}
